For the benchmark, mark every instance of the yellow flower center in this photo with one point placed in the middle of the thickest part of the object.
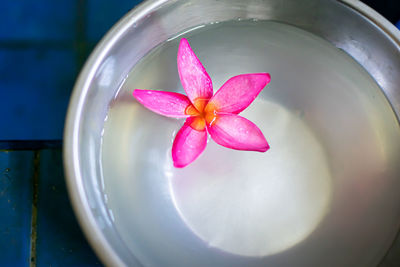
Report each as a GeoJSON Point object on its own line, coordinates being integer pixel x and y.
{"type": "Point", "coordinates": [204, 113]}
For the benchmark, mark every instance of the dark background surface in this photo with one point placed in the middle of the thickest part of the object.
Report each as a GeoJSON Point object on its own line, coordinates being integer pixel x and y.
{"type": "Point", "coordinates": [43, 45]}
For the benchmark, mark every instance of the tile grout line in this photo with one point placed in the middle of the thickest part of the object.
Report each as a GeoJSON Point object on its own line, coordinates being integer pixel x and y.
{"type": "Point", "coordinates": [15, 145]}
{"type": "Point", "coordinates": [19, 45]}
{"type": "Point", "coordinates": [81, 44]}
{"type": "Point", "coordinates": [35, 186]}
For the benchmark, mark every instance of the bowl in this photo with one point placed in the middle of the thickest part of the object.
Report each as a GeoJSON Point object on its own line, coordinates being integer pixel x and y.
{"type": "Point", "coordinates": [326, 194]}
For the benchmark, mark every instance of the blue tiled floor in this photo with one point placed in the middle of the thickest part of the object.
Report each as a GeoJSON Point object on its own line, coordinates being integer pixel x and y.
{"type": "Point", "coordinates": [43, 44]}
{"type": "Point", "coordinates": [16, 173]}
{"type": "Point", "coordinates": [34, 20]}
{"type": "Point", "coordinates": [59, 238]}
{"type": "Point", "coordinates": [36, 89]}
{"type": "Point", "coordinates": [38, 225]}
{"type": "Point", "coordinates": [97, 26]}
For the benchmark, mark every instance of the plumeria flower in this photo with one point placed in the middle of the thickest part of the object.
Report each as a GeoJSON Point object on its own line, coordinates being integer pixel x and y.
{"type": "Point", "coordinates": [207, 113]}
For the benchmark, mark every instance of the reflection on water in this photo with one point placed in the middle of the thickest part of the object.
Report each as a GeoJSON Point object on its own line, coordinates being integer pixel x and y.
{"type": "Point", "coordinates": [256, 204]}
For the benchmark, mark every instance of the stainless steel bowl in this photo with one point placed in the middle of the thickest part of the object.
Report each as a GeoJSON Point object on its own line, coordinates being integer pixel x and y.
{"type": "Point", "coordinates": [347, 24]}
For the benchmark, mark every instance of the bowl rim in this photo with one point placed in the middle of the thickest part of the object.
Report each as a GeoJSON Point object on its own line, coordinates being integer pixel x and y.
{"type": "Point", "coordinates": [73, 176]}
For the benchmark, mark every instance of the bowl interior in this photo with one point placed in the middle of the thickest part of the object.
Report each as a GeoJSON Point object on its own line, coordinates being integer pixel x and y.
{"type": "Point", "coordinates": [331, 110]}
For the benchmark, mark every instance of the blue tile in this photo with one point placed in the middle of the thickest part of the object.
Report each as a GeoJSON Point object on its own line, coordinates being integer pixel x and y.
{"type": "Point", "coordinates": [35, 85]}
{"type": "Point", "coordinates": [38, 20]}
{"type": "Point", "coordinates": [60, 241]}
{"type": "Point", "coordinates": [16, 172]}
{"type": "Point", "coordinates": [103, 14]}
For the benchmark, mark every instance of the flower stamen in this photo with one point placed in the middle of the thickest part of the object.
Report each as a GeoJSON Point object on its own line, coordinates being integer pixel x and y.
{"type": "Point", "coordinates": [192, 111]}
{"type": "Point", "coordinates": [198, 124]}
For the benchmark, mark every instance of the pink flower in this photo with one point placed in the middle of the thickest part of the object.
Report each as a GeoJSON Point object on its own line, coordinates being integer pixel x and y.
{"type": "Point", "coordinates": [216, 114]}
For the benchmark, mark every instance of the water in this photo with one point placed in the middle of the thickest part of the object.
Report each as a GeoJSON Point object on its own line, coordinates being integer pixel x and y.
{"type": "Point", "coordinates": [325, 194]}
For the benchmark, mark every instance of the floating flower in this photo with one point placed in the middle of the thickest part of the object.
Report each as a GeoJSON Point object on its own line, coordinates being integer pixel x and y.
{"type": "Point", "coordinates": [216, 114]}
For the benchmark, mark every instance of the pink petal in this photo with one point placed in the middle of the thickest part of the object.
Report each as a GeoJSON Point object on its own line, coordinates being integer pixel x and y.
{"type": "Point", "coordinates": [239, 91]}
{"type": "Point", "coordinates": [195, 80]}
{"type": "Point", "coordinates": [169, 104]}
{"type": "Point", "coordinates": [236, 132]}
{"type": "Point", "coordinates": [188, 144]}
